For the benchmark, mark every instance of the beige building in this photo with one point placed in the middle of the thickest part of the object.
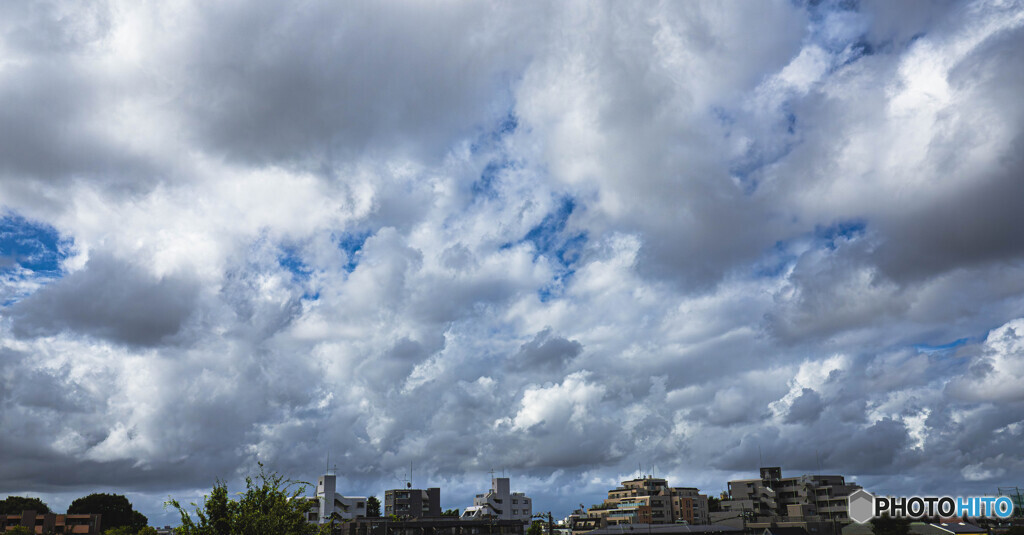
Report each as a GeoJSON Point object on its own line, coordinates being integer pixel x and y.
{"type": "Point", "coordinates": [646, 500]}
{"type": "Point", "coordinates": [813, 502]}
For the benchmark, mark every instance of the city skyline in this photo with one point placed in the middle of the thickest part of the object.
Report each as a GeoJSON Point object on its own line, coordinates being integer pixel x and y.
{"type": "Point", "coordinates": [562, 240]}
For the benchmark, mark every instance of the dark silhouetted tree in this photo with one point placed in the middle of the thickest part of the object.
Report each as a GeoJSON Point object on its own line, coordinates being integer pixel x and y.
{"type": "Point", "coordinates": [887, 525]}
{"type": "Point", "coordinates": [14, 505]}
{"type": "Point", "coordinates": [373, 507]}
{"type": "Point", "coordinates": [116, 510]}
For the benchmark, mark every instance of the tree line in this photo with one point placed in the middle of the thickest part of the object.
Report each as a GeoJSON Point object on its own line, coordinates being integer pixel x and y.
{"type": "Point", "coordinates": [118, 516]}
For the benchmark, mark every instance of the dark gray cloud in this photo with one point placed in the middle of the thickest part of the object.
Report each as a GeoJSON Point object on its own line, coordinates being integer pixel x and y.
{"type": "Point", "coordinates": [110, 299]}
{"type": "Point", "coordinates": [806, 408]}
{"type": "Point", "coordinates": [545, 353]}
{"type": "Point", "coordinates": [329, 81]}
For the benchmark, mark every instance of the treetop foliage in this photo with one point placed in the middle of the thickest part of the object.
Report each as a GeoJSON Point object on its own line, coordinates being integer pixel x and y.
{"type": "Point", "coordinates": [14, 505]}
{"type": "Point", "coordinates": [117, 511]}
{"type": "Point", "coordinates": [270, 504]}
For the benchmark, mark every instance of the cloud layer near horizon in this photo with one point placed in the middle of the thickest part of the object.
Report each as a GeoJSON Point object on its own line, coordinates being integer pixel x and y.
{"type": "Point", "coordinates": [562, 240]}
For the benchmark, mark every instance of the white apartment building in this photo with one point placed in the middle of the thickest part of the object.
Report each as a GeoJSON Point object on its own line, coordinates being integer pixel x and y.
{"type": "Point", "coordinates": [500, 503]}
{"type": "Point", "coordinates": [817, 497]}
{"type": "Point", "coordinates": [329, 505]}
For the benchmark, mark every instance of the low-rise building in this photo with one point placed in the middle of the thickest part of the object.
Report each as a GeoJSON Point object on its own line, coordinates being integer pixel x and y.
{"type": "Point", "coordinates": [646, 500]}
{"type": "Point", "coordinates": [411, 503]}
{"type": "Point", "coordinates": [501, 503]}
{"type": "Point", "coordinates": [46, 523]}
{"type": "Point", "coordinates": [330, 506]}
{"type": "Point", "coordinates": [946, 528]}
{"type": "Point", "coordinates": [811, 502]}
{"type": "Point", "coordinates": [431, 526]}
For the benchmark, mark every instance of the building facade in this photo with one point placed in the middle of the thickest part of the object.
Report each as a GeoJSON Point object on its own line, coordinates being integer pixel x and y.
{"type": "Point", "coordinates": [413, 503]}
{"type": "Point", "coordinates": [52, 523]}
{"type": "Point", "coordinates": [330, 506]}
{"type": "Point", "coordinates": [501, 503]}
{"type": "Point", "coordinates": [801, 501]}
{"type": "Point", "coordinates": [646, 500]}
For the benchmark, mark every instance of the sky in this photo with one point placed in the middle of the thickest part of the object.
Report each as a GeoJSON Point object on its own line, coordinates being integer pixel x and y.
{"type": "Point", "coordinates": [570, 241]}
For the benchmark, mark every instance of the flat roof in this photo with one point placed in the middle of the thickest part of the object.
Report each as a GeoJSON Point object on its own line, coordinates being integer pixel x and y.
{"type": "Point", "coordinates": [662, 529]}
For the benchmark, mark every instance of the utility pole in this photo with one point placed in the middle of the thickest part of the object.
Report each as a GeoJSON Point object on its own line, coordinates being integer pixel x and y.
{"type": "Point", "coordinates": [550, 521]}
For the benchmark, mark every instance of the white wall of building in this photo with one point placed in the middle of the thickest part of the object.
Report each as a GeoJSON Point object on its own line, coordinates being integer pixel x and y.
{"type": "Point", "coordinates": [500, 503]}
{"type": "Point", "coordinates": [330, 503]}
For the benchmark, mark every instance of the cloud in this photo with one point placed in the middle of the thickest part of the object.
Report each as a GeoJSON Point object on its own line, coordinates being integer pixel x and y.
{"type": "Point", "coordinates": [108, 299]}
{"type": "Point", "coordinates": [805, 408]}
{"type": "Point", "coordinates": [559, 240]}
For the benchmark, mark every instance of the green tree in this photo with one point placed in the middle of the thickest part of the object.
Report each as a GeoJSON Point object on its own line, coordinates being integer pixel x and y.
{"type": "Point", "coordinates": [270, 504]}
{"type": "Point", "coordinates": [14, 505]}
{"type": "Point", "coordinates": [887, 525]}
{"type": "Point", "coordinates": [116, 510]}
{"type": "Point", "coordinates": [450, 512]}
{"type": "Point", "coordinates": [373, 507]}
{"type": "Point", "coordinates": [18, 530]}
{"type": "Point", "coordinates": [122, 530]}
{"type": "Point", "coordinates": [714, 504]}
{"type": "Point", "coordinates": [147, 530]}
{"type": "Point", "coordinates": [536, 528]}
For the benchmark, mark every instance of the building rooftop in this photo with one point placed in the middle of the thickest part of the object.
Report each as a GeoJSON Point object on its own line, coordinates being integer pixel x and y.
{"type": "Point", "coordinates": [662, 529]}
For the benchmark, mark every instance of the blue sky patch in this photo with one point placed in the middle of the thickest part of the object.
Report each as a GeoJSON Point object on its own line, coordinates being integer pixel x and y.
{"type": "Point", "coordinates": [550, 240]}
{"type": "Point", "coordinates": [508, 124]}
{"type": "Point", "coordinates": [844, 230]}
{"type": "Point", "coordinates": [486, 185]}
{"type": "Point", "coordinates": [927, 348]}
{"type": "Point", "coordinates": [31, 245]}
{"type": "Point", "coordinates": [352, 243]}
{"type": "Point", "coordinates": [785, 252]}
{"type": "Point", "coordinates": [291, 260]}
{"type": "Point", "coordinates": [546, 235]}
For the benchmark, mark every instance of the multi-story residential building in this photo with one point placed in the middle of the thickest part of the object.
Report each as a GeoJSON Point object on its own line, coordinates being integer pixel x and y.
{"type": "Point", "coordinates": [43, 523]}
{"type": "Point", "coordinates": [646, 500]}
{"type": "Point", "coordinates": [690, 505]}
{"type": "Point", "coordinates": [413, 503]}
{"type": "Point", "coordinates": [500, 503]}
{"type": "Point", "coordinates": [806, 499]}
{"type": "Point", "coordinates": [328, 505]}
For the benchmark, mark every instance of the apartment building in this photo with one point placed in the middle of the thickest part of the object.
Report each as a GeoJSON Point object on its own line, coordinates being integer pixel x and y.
{"type": "Point", "coordinates": [45, 523]}
{"type": "Point", "coordinates": [328, 505]}
{"type": "Point", "coordinates": [646, 500]}
{"type": "Point", "coordinates": [413, 503]}
{"type": "Point", "coordinates": [500, 503]}
{"type": "Point", "coordinates": [773, 498]}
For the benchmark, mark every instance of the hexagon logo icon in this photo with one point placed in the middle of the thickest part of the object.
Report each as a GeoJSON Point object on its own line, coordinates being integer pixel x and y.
{"type": "Point", "coordinates": [861, 506]}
